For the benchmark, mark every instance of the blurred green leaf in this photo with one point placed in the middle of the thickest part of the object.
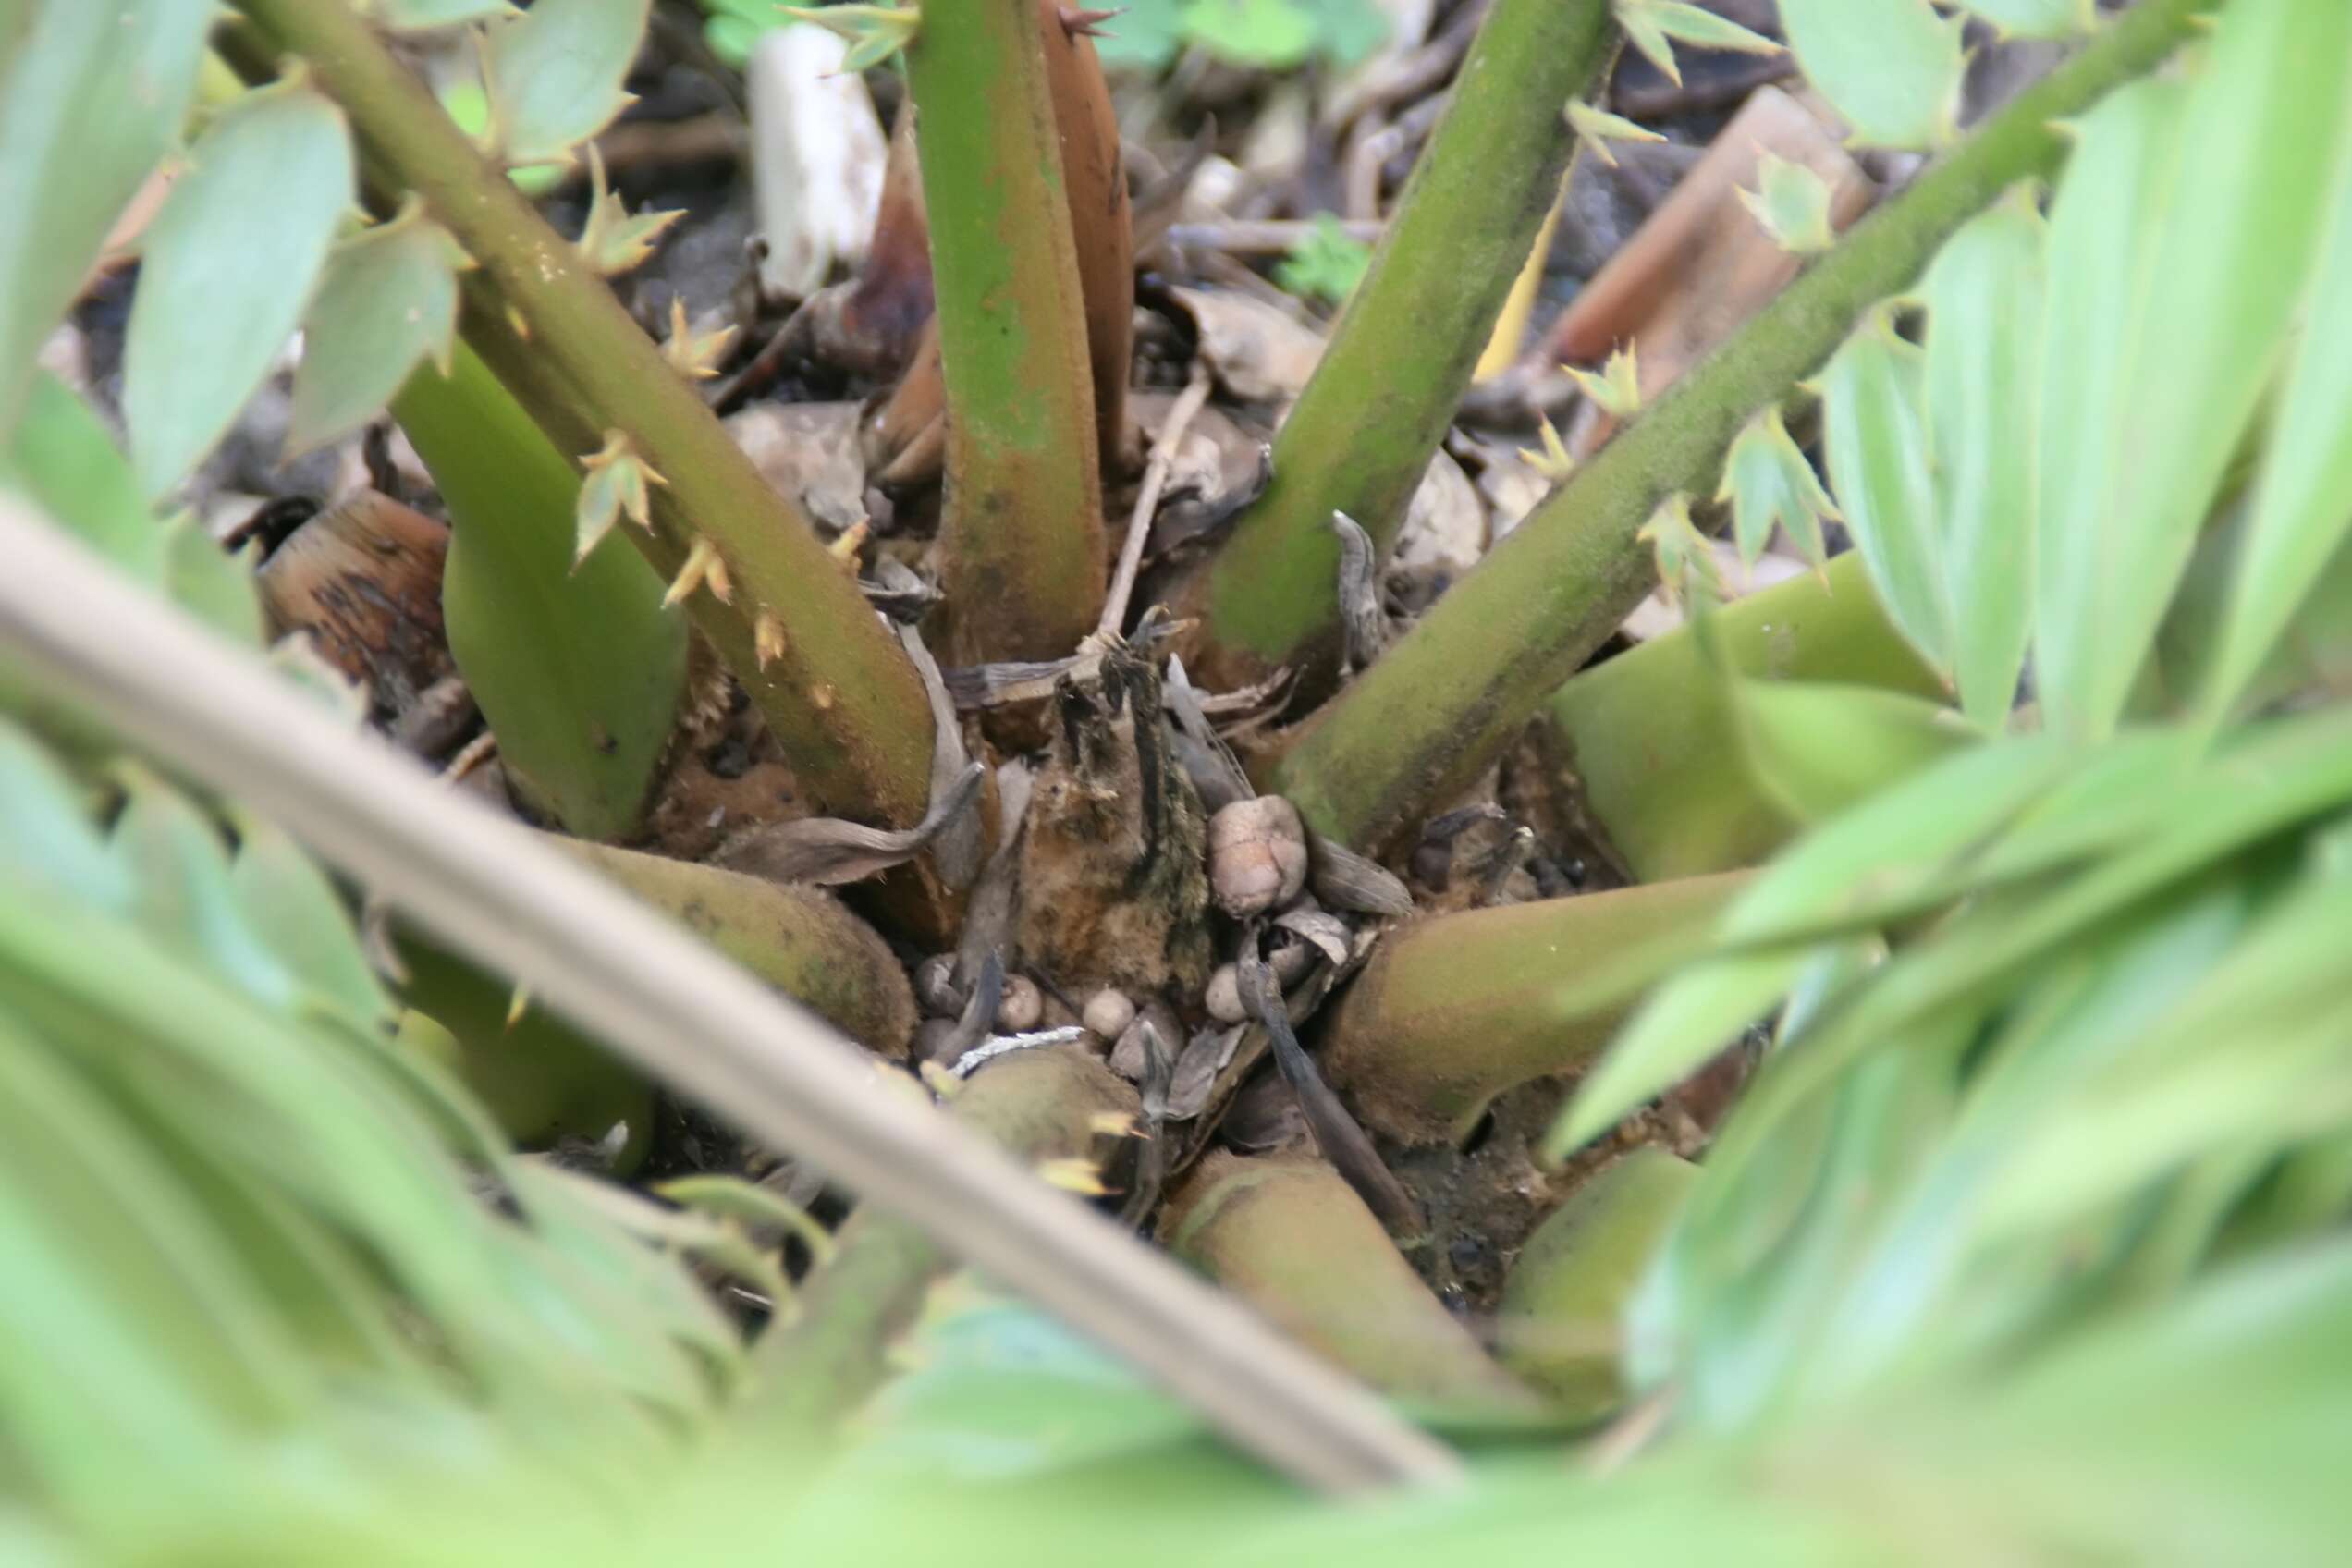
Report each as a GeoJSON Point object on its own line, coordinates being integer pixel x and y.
{"type": "Point", "coordinates": [2303, 499]}
{"type": "Point", "coordinates": [230, 264]}
{"type": "Point", "coordinates": [2097, 265]}
{"type": "Point", "coordinates": [1890, 68]}
{"type": "Point", "coordinates": [1817, 749]}
{"type": "Point", "coordinates": [422, 16]}
{"type": "Point", "coordinates": [555, 73]}
{"type": "Point", "coordinates": [1269, 34]}
{"type": "Point", "coordinates": [577, 667]}
{"type": "Point", "coordinates": [297, 913]}
{"type": "Point", "coordinates": [388, 303]}
{"type": "Point", "coordinates": [2037, 19]}
{"type": "Point", "coordinates": [1327, 265]}
{"type": "Point", "coordinates": [1875, 438]}
{"type": "Point", "coordinates": [209, 582]}
{"type": "Point", "coordinates": [2222, 260]}
{"type": "Point", "coordinates": [64, 462]}
{"type": "Point", "coordinates": [1984, 295]}
{"type": "Point", "coordinates": [90, 100]}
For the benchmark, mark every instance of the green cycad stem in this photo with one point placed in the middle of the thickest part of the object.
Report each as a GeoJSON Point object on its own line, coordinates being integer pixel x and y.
{"type": "Point", "coordinates": [1455, 1009]}
{"type": "Point", "coordinates": [1021, 537]}
{"type": "Point", "coordinates": [1438, 706]}
{"type": "Point", "coordinates": [1363, 432]}
{"type": "Point", "coordinates": [842, 694]}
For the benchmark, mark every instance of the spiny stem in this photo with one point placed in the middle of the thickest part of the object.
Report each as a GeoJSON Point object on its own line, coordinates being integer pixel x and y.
{"type": "Point", "coordinates": [842, 695]}
{"type": "Point", "coordinates": [1442, 703]}
{"type": "Point", "coordinates": [1363, 432]}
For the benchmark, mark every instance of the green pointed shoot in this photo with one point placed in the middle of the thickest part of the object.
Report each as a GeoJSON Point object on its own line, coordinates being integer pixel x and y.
{"type": "Point", "coordinates": [1793, 203]}
{"type": "Point", "coordinates": [1983, 297]}
{"type": "Point", "coordinates": [1615, 388]}
{"type": "Point", "coordinates": [2302, 507]}
{"type": "Point", "coordinates": [1874, 437]}
{"type": "Point", "coordinates": [1687, 570]}
{"type": "Point", "coordinates": [230, 264]}
{"type": "Point", "coordinates": [1768, 483]}
{"type": "Point", "coordinates": [91, 99]}
{"type": "Point", "coordinates": [388, 303]}
{"type": "Point", "coordinates": [1890, 68]}
{"type": "Point", "coordinates": [1654, 26]}
{"type": "Point", "coordinates": [555, 73]}
{"type": "Point", "coordinates": [575, 663]}
{"type": "Point", "coordinates": [1596, 129]}
{"type": "Point", "coordinates": [2221, 248]}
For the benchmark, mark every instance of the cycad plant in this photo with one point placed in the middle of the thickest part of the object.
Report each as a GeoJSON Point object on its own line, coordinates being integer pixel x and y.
{"type": "Point", "coordinates": [1938, 1151]}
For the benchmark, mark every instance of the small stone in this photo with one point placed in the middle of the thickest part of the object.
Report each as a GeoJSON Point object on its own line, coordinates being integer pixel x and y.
{"type": "Point", "coordinates": [1107, 1014]}
{"type": "Point", "coordinates": [1224, 998]}
{"type": "Point", "coordinates": [1257, 855]}
{"type": "Point", "coordinates": [1021, 1006]}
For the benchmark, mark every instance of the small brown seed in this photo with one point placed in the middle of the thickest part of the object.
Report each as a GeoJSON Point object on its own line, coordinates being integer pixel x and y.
{"type": "Point", "coordinates": [1107, 1014]}
{"type": "Point", "coordinates": [935, 986]}
{"type": "Point", "coordinates": [1257, 855]}
{"type": "Point", "coordinates": [1021, 1006]}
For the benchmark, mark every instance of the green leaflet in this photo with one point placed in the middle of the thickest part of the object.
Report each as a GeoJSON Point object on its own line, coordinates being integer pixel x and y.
{"type": "Point", "coordinates": [1984, 295]}
{"type": "Point", "coordinates": [388, 302]}
{"type": "Point", "coordinates": [1875, 437]}
{"type": "Point", "coordinates": [90, 102]}
{"type": "Point", "coordinates": [296, 913]}
{"type": "Point", "coordinates": [1816, 749]}
{"type": "Point", "coordinates": [1793, 203]}
{"type": "Point", "coordinates": [554, 74]}
{"type": "Point", "coordinates": [578, 668]}
{"type": "Point", "coordinates": [1769, 483]}
{"type": "Point", "coordinates": [2303, 497]}
{"type": "Point", "coordinates": [2037, 19]}
{"type": "Point", "coordinates": [1891, 67]}
{"type": "Point", "coordinates": [2098, 272]}
{"type": "Point", "coordinates": [230, 263]}
{"type": "Point", "coordinates": [1651, 26]}
{"type": "Point", "coordinates": [64, 460]}
{"type": "Point", "coordinates": [2227, 247]}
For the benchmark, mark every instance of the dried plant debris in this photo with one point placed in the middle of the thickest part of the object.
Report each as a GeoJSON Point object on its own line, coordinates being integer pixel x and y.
{"type": "Point", "coordinates": [1114, 890]}
{"type": "Point", "coordinates": [830, 850]}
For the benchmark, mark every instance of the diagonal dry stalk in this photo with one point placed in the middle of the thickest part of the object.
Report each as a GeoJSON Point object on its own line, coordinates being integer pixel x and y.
{"type": "Point", "coordinates": [668, 1003]}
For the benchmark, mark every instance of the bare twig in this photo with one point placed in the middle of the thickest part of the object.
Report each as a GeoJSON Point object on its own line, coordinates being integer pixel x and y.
{"type": "Point", "coordinates": [669, 1004]}
{"type": "Point", "coordinates": [1163, 457]}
